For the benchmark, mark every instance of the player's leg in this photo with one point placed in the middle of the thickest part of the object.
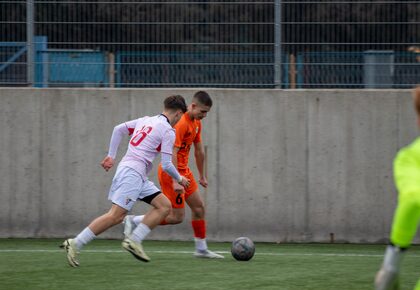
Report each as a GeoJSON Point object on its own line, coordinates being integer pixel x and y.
{"type": "Point", "coordinates": [175, 216]}
{"type": "Point", "coordinates": [113, 217]}
{"type": "Point", "coordinates": [198, 221]}
{"type": "Point", "coordinates": [177, 200]}
{"type": "Point", "coordinates": [160, 209]}
{"type": "Point", "coordinates": [124, 191]}
{"type": "Point", "coordinates": [72, 246]}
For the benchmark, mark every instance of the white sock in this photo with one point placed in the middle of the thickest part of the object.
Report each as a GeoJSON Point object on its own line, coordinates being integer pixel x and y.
{"type": "Point", "coordinates": [138, 219]}
{"type": "Point", "coordinates": [140, 232]}
{"type": "Point", "coordinates": [200, 244]}
{"type": "Point", "coordinates": [84, 237]}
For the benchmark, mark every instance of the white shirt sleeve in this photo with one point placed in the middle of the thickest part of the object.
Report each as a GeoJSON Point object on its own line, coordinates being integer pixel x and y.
{"type": "Point", "coordinates": [119, 132]}
{"type": "Point", "coordinates": [169, 167]}
{"type": "Point", "coordinates": [168, 141]}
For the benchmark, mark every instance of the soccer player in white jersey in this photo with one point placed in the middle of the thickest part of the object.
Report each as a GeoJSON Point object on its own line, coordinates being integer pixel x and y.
{"type": "Point", "coordinates": [150, 135]}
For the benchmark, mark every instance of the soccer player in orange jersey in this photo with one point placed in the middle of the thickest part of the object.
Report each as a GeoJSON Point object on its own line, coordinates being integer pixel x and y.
{"type": "Point", "coordinates": [188, 132]}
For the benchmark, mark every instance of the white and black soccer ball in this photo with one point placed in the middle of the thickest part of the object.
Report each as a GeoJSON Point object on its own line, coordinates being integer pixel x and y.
{"type": "Point", "coordinates": [242, 249]}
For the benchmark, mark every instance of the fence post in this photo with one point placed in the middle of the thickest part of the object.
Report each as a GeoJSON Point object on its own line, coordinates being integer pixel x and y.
{"type": "Point", "coordinates": [277, 44]}
{"type": "Point", "coordinates": [111, 69]}
{"type": "Point", "coordinates": [41, 62]}
{"type": "Point", "coordinates": [292, 71]}
{"type": "Point", "coordinates": [117, 72]}
{"type": "Point", "coordinates": [30, 42]}
{"type": "Point", "coordinates": [299, 70]}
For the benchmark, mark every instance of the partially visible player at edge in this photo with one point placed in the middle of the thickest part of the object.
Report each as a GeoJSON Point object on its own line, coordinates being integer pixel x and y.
{"type": "Point", "coordinates": [407, 213]}
{"type": "Point", "coordinates": [150, 135]}
{"type": "Point", "coordinates": [188, 132]}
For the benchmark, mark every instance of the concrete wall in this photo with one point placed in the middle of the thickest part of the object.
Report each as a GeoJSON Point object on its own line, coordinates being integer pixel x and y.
{"type": "Point", "coordinates": [282, 165]}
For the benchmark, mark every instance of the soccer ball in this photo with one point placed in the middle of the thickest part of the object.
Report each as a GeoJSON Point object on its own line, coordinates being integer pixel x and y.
{"type": "Point", "coordinates": [243, 249]}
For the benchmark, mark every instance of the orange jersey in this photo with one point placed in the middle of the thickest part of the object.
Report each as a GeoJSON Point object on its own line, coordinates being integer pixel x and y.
{"type": "Point", "coordinates": [187, 132]}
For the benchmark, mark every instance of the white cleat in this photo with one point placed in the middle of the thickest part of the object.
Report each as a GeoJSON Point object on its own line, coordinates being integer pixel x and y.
{"type": "Point", "coordinates": [136, 249]}
{"type": "Point", "coordinates": [207, 254]}
{"type": "Point", "coordinates": [129, 225]}
{"type": "Point", "coordinates": [71, 250]}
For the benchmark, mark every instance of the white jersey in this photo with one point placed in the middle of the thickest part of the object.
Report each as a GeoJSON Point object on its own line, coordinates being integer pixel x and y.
{"type": "Point", "coordinates": [149, 136]}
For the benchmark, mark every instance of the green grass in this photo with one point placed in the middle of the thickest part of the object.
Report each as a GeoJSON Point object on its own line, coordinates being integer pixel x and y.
{"type": "Point", "coordinates": [39, 264]}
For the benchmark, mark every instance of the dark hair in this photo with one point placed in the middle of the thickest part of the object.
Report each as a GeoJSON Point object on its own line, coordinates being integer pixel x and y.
{"type": "Point", "coordinates": [203, 98]}
{"type": "Point", "coordinates": [175, 102]}
{"type": "Point", "coordinates": [416, 96]}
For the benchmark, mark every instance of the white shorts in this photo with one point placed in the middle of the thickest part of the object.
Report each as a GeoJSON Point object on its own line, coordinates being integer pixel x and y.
{"type": "Point", "coordinates": [128, 186]}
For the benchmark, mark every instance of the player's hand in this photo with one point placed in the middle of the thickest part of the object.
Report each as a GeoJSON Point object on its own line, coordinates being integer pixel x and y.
{"type": "Point", "coordinates": [203, 182]}
{"type": "Point", "coordinates": [107, 163]}
{"type": "Point", "coordinates": [178, 188]}
{"type": "Point", "coordinates": [386, 280]}
{"type": "Point", "coordinates": [185, 182]}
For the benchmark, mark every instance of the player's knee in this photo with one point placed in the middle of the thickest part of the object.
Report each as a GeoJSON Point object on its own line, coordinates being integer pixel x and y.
{"type": "Point", "coordinates": [117, 218]}
{"type": "Point", "coordinates": [199, 211]}
{"type": "Point", "coordinates": [165, 208]}
{"type": "Point", "coordinates": [179, 218]}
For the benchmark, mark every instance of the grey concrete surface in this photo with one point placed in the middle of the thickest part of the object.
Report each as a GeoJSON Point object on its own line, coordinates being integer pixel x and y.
{"type": "Point", "coordinates": [283, 166]}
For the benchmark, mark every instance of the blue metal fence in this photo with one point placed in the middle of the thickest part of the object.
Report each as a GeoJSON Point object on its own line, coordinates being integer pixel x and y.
{"type": "Point", "coordinates": [247, 43]}
{"type": "Point", "coordinates": [406, 70]}
{"type": "Point", "coordinates": [65, 67]}
{"type": "Point", "coordinates": [13, 63]}
{"type": "Point", "coordinates": [350, 69]}
{"type": "Point", "coordinates": [77, 68]}
{"type": "Point", "coordinates": [53, 67]}
{"type": "Point", "coordinates": [332, 69]}
{"type": "Point", "coordinates": [181, 69]}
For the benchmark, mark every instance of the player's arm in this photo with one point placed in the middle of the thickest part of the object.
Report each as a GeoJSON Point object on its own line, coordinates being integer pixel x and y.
{"type": "Point", "coordinates": [181, 130]}
{"type": "Point", "coordinates": [406, 219]}
{"type": "Point", "coordinates": [167, 159]}
{"type": "Point", "coordinates": [118, 133]}
{"type": "Point", "coordinates": [175, 156]}
{"type": "Point", "coordinates": [407, 214]}
{"type": "Point", "coordinates": [169, 168]}
{"type": "Point", "coordinates": [199, 161]}
{"type": "Point", "coordinates": [177, 187]}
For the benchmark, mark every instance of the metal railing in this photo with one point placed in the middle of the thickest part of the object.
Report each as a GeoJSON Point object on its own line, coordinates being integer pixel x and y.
{"type": "Point", "coordinates": [258, 44]}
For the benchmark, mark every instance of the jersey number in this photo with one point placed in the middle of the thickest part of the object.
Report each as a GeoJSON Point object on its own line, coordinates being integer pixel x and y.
{"type": "Point", "coordinates": [140, 135]}
{"type": "Point", "coordinates": [178, 199]}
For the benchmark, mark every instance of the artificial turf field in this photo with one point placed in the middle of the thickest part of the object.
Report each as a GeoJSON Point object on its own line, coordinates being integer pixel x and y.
{"type": "Point", "coordinates": [40, 264]}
